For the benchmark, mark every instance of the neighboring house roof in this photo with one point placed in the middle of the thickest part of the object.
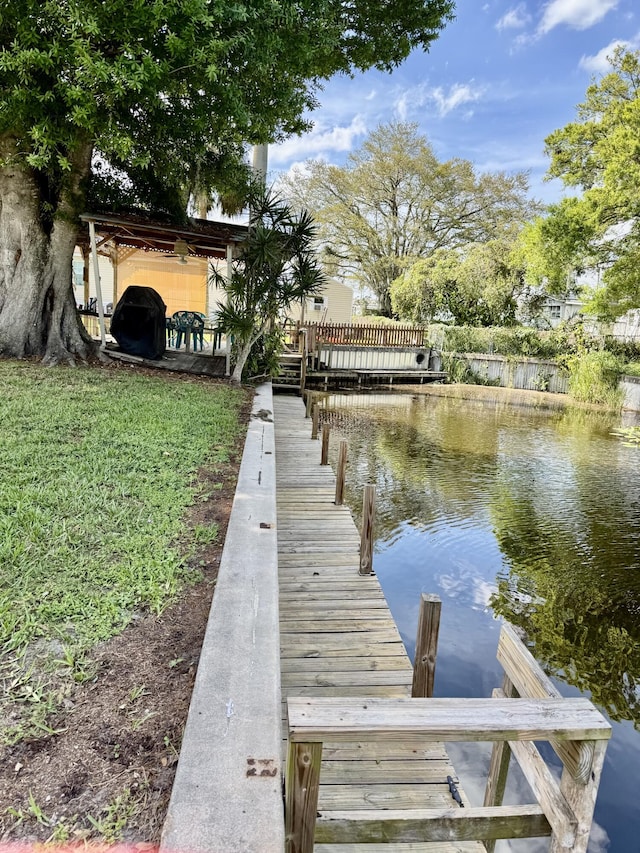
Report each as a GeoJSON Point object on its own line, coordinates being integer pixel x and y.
{"type": "Point", "coordinates": [200, 237]}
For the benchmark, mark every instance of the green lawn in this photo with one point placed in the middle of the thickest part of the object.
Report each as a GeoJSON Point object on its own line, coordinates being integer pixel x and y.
{"type": "Point", "coordinates": [97, 469]}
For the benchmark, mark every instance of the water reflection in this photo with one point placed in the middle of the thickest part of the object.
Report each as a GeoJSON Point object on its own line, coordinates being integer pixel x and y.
{"type": "Point", "coordinates": [528, 514]}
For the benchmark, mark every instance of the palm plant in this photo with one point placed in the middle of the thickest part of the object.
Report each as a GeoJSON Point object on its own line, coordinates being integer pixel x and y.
{"type": "Point", "coordinates": [277, 266]}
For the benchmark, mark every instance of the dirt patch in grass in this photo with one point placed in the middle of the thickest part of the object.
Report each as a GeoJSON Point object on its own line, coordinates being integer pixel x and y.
{"type": "Point", "coordinates": [105, 771]}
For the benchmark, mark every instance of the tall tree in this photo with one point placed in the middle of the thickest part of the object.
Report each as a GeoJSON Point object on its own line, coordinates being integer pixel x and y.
{"type": "Point", "coordinates": [145, 98]}
{"type": "Point", "coordinates": [394, 201]}
{"type": "Point", "coordinates": [480, 285]}
{"type": "Point", "coordinates": [600, 229]}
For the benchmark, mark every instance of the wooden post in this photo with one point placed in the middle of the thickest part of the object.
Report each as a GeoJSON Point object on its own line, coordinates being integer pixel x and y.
{"type": "Point", "coordinates": [301, 796]}
{"type": "Point", "coordinates": [366, 532]}
{"type": "Point", "coordinates": [96, 275]}
{"type": "Point", "coordinates": [324, 456]}
{"type": "Point", "coordinates": [581, 799]}
{"type": "Point", "coordinates": [302, 342]}
{"type": "Point", "coordinates": [424, 665]}
{"type": "Point", "coordinates": [309, 404]}
{"type": "Point", "coordinates": [499, 767]}
{"type": "Point", "coordinates": [340, 473]}
{"type": "Point", "coordinates": [315, 419]}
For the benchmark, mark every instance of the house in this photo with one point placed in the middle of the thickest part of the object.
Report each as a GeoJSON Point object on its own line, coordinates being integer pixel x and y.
{"type": "Point", "coordinates": [333, 305]}
{"type": "Point", "coordinates": [558, 310]}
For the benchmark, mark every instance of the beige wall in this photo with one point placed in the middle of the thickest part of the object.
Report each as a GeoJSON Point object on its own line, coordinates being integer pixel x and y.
{"type": "Point", "coordinates": [336, 308]}
{"type": "Point", "coordinates": [183, 287]}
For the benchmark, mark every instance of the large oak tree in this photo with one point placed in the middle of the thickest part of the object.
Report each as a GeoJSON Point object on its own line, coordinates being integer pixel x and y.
{"type": "Point", "coordinates": [145, 98]}
{"type": "Point", "coordinates": [395, 202]}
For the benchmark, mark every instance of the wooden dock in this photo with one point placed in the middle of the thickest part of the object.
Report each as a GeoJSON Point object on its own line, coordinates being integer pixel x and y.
{"type": "Point", "coordinates": [366, 766]}
{"type": "Point", "coordinates": [338, 639]}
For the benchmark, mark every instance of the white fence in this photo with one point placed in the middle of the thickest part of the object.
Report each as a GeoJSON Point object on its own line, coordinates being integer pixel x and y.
{"type": "Point", "coordinates": [531, 374]}
{"type": "Point", "coordinates": [631, 387]}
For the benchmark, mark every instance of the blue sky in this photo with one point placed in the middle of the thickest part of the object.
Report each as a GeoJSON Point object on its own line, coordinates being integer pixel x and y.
{"type": "Point", "coordinates": [497, 81]}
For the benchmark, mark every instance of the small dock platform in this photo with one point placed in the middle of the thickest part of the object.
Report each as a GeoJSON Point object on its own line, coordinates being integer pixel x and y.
{"type": "Point", "coordinates": [338, 639]}
{"type": "Point", "coordinates": [370, 378]}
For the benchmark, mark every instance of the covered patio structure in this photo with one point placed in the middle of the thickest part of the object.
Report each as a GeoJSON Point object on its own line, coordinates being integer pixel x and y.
{"type": "Point", "coordinates": [173, 259]}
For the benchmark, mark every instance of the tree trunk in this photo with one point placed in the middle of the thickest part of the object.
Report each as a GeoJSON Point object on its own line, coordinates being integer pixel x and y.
{"type": "Point", "coordinates": [38, 315]}
{"type": "Point", "coordinates": [241, 360]}
{"type": "Point", "coordinates": [243, 350]}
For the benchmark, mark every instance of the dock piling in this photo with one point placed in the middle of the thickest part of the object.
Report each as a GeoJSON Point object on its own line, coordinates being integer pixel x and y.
{"type": "Point", "coordinates": [424, 666]}
{"type": "Point", "coordinates": [341, 472]}
{"type": "Point", "coordinates": [324, 456]}
{"type": "Point", "coordinates": [366, 532]}
{"type": "Point", "coordinates": [315, 420]}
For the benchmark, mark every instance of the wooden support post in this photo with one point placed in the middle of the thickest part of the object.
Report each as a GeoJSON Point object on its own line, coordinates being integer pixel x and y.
{"type": "Point", "coordinates": [582, 800]}
{"type": "Point", "coordinates": [324, 456]}
{"type": "Point", "coordinates": [315, 420]}
{"type": "Point", "coordinates": [499, 767]}
{"type": "Point", "coordinates": [424, 665]}
{"type": "Point", "coordinates": [301, 796]}
{"type": "Point", "coordinates": [309, 404]}
{"type": "Point", "coordinates": [366, 532]}
{"type": "Point", "coordinates": [302, 341]}
{"type": "Point", "coordinates": [340, 473]}
{"type": "Point", "coordinates": [96, 275]}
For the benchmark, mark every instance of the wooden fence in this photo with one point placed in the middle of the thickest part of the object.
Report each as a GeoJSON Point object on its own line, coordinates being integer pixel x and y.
{"type": "Point", "coordinates": [373, 335]}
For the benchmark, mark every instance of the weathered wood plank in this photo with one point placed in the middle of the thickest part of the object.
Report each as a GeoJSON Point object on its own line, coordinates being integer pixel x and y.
{"type": "Point", "coordinates": [356, 690]}
{"type": "Point", "coordinates": [529, 679]}
{"type": "Point", "coordinates": [341, 648]}
{"type": "Point", "coordinates": [323, 594]}
{"type": "Point", "coordinates": [384, 772]}
{"type": "Point", "coordinates": [352, 618]}
{"type": "Point", "coordinates": [407, 751]}
{"type": "Point", "coordinates": [302, 784]}
{"type": "Point", "coordinates": [353, 665]}
{"type": "Point", "coordinates": [397, 826]}
{"type": "Point", "coordinates": [447, 719]}
{"type": "Point", "coordinates": [349, 679]}
{"type": "Point", "coordinates": [359, 623]}
{"type": "Point", "coordinates": [382, 796]}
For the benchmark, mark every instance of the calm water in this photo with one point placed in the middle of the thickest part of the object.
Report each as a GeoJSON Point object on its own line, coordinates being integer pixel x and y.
{"type": "Point", "coordinates": [523, 513]}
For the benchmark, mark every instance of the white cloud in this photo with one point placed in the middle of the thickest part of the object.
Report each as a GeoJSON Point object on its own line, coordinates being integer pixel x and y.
{"type": "Point", "coordinates": [458, 94]}
{"type": "Point", "coordinates": [599, 64]}
{"type": "Point", "coordinates": [577, 14]}
{"type": "Point", "coordinates": [320, 142]}
{"type": "Point", "coordinates": [514, 19]}
{"type": "Point", "coordinates": [445, 100]}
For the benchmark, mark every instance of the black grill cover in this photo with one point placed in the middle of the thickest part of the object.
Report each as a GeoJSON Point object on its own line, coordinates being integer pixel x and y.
{"type": "Point", "coordinates": [138, 323]}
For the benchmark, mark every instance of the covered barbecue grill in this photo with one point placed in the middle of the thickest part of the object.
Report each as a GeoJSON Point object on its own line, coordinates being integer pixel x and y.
{"type": "Point", "coordinates": [138, 323]}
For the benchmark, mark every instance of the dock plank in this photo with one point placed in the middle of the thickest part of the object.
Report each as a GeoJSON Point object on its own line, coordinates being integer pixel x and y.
{"type": "Point", "coordinates": [338, 639]}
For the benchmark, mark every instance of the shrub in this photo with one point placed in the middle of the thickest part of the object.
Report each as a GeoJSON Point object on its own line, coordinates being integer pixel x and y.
{"type": "Point", "coordinates": [593, 377]}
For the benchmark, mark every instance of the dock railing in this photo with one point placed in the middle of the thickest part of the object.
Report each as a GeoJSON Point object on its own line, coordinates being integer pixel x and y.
{"type": "Point", "coordinates": [361, 334]}
{"type": "Point", "coordinates": [527, 708]}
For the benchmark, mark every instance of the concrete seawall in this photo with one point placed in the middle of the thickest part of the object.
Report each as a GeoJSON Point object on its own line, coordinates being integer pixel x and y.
{"type": "Point", "coordinates": [227, 794]}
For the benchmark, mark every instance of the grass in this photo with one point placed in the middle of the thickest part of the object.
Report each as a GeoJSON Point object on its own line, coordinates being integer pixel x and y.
{"type": "Point", "coordinates": [97, 468]}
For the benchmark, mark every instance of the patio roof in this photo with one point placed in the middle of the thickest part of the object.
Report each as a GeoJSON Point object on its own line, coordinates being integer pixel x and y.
{"type": "Point", "coordinates": [200, 237]}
